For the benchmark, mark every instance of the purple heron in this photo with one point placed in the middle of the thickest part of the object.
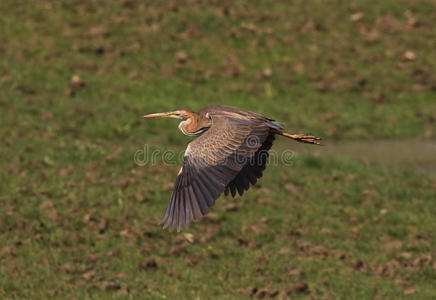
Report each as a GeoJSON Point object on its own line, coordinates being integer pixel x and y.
{"type": "Point", "coordinates": [229, 154]}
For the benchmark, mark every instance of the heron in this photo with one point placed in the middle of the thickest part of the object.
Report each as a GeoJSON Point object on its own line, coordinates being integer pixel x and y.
{"type": "Point", "coordinates": [229, 154]}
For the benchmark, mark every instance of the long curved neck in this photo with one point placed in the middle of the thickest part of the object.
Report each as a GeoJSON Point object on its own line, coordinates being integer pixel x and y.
{"type": "Point", "coordinates": [192, 126]}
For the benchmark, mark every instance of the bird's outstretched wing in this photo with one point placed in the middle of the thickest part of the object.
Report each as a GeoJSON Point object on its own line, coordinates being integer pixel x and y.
{"type": "Point", "coordinates": [252, 170]}
{"type": "Point", "coordinates": [211, 162]}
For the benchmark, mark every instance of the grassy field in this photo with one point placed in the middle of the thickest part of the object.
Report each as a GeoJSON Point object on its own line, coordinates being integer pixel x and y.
{"type": "Point", "coordinates": [78, 216]}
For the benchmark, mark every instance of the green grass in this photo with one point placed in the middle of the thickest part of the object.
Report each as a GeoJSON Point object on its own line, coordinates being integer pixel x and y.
{"type": "Point", "coordinates": [78, 217]}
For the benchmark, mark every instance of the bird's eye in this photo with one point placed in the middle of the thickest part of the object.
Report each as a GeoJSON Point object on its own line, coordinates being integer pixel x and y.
{"type": "Point", "coordinates": [207, 115]}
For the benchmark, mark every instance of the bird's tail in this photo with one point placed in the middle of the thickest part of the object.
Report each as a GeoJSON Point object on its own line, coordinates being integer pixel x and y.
{"type": "Point", "coordinates": [302, 138]}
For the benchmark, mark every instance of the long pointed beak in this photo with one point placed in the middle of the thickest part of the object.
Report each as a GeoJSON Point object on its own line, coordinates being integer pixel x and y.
{"type": "Point", "coordinates": [161, 115]}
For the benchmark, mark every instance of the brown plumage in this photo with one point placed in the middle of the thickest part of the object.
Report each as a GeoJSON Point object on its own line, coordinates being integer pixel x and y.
{"type": "Point", "coordinates": [228, 156]}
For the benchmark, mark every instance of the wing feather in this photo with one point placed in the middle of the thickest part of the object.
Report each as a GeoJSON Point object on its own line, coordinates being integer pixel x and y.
{"type": "Point", "coordinates": [233, 188]}
{"type": "Point", "coordinates": [167, 219]}
{"type": "Point", "coordinates": [195, 206]}
{"type": "Point", "coordinates": [188, 212]}
{"type": "Point", "coordinates": [253, 169]}
{"type": "Point", "coordinates": [175, 215]}
{"type": "Point", "coordinates": [181, 219]}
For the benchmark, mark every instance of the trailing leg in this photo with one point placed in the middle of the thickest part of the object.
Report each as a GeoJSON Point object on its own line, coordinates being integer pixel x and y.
{"type": "Point", "coordinates": [302, 138]}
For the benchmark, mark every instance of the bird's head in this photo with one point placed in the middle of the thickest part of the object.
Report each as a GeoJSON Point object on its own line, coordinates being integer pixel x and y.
{"type": "Point", "coordinates": [191, 124]}
{"type": "Point", "coordinates": [178, 114]}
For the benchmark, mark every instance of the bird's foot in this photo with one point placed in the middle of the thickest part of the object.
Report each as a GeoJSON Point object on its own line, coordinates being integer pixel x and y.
{"type": "Point", "coordinates": [306, 138]}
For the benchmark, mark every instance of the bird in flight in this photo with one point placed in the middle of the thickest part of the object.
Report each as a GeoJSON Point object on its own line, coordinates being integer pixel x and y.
{"type": "Point", "coordinates": [229, 154]}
